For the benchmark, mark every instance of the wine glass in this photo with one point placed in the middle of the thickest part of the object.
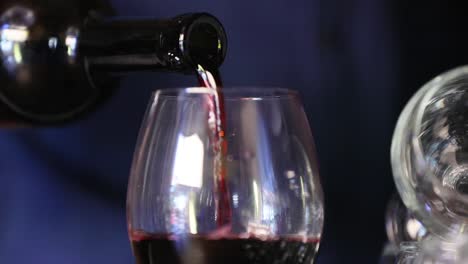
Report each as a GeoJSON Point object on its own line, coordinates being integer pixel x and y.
{"type": "Point", "coordinates": [430, 153]}
{"type": "Point", "coordinates": [226, 176]}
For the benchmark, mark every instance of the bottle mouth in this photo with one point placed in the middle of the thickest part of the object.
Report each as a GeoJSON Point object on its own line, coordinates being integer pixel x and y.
{"type": "Point", "coordinates": [203, 41]}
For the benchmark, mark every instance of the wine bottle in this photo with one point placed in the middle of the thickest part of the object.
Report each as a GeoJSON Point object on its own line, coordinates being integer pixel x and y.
{"type": "Point", "coordinates": [62, 59]}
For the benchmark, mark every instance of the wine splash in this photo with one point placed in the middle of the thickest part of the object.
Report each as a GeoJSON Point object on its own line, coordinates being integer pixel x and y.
{"type": "Point", "coordinates": [217, 122]}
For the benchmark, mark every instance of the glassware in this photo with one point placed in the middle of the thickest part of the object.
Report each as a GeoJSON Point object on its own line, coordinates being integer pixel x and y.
{"type": "Point", "coordinates": [401, 225]}
{"type": "Point", "coordinates": [409, 253]}
{"type": "Point", "coordinates": [430, 153]}
{"type": "Point", "coordinates": [450, 250]}
{"type": "Point", "coordinates": [403, 231]}
{"type": "Point", "coordinates": [270, 209]}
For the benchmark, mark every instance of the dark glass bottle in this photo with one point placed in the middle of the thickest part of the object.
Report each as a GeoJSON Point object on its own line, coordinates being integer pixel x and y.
{"type": "Point", "coordinates": [59, 58]}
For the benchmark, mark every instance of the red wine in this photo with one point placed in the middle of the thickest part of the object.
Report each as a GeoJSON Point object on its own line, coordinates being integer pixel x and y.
{"type": "Point", "coordinates": [192, 249]}
{"type": "Point", "coordinates": [211, 79]}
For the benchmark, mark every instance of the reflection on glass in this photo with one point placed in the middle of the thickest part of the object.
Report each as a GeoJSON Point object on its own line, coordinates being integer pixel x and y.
{"type": "Point", "coordinates": [11, 33]}
{"type": "Point", "coordinates": [409, 253]}
{"type": "Point", "coordinates": [450, 250]}
{"type": "Point", "coordinates": [53, 43]}
{"type": "Point", "coordinates": [17, 40]}
{"type": "Point", "coordinates": [11, 41]}
{"type": "Point", "coordinates": [400, 223]}
{"type": "Point", "coordinates": [71, 42]}
{"type": "Point", "coordinates": [188, 163]}
{"type": "Point", "coordinates": [14, 33]}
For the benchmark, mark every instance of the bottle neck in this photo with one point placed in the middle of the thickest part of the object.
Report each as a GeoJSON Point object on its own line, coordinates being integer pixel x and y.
{"type": "Point", "coordinates": [177, 45]}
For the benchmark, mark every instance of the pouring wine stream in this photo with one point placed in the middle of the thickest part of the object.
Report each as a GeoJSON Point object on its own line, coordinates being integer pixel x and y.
{"type": "Point", "coordinates": [217, 122]}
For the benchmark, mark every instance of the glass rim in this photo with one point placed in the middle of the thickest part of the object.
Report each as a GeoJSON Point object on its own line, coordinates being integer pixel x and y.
{"type": "Point", "coordinates": [231, 93]}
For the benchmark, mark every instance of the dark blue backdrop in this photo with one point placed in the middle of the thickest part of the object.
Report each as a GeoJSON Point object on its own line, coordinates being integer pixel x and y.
{"type": "Point", "coordinates": [354, 61]}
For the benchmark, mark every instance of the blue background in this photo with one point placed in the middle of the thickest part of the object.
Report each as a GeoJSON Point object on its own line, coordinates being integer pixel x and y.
{"type": "Point", "coordinates": [355, 62]}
